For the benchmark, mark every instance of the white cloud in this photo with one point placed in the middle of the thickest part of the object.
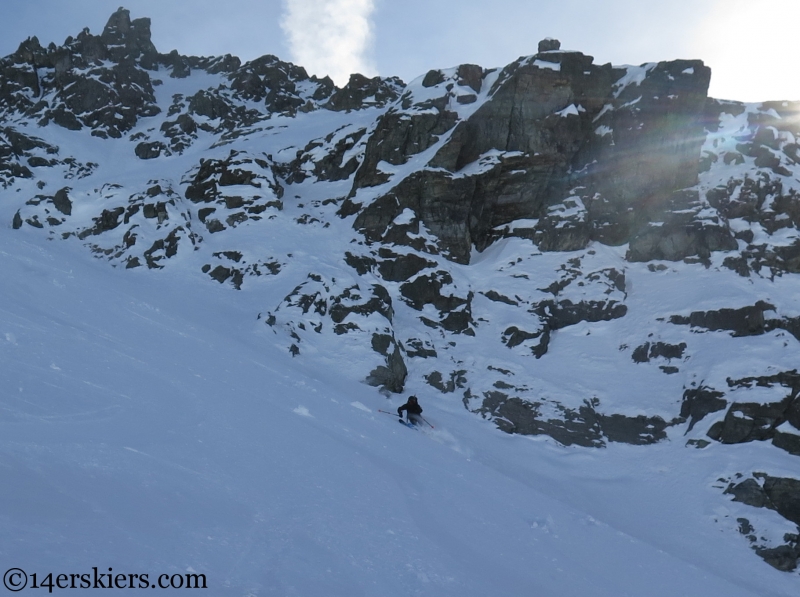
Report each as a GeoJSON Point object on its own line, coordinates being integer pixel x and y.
{"type": "Point", "coordinates": [330, 37]}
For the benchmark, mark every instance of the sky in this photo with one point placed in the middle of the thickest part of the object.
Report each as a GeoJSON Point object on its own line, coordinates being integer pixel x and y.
{"type": "Point", "coordinates": [750, 46]}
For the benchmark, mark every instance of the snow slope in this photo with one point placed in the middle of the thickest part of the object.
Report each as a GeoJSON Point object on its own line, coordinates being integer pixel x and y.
{"type": "Point", "coordinates": [150, 425]}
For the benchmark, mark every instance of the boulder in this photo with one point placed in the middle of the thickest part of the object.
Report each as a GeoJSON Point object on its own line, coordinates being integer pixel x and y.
{"type": "Point", "coordinates": [62, 202]}
{"type": "Point", "coordinates": [549, 45]}
{"type": "Point", "coordinates": [149, 150]}
{"type": "Point", "coordinates": [749, 492]}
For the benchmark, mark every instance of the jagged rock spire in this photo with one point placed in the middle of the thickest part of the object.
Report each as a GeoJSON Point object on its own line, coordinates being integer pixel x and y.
{"type": "Point", "coordinates": [133, 36]}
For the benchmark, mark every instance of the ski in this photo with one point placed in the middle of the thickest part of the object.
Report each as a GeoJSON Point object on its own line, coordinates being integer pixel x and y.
{"type": "Point", "coordinates": [401, 419]}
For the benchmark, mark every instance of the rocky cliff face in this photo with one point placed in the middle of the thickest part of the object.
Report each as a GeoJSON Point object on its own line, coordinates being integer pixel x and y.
{"type": "Point", "coordinates": [552, 131]}
{"type": "Point", "coordinates": [594, 253]}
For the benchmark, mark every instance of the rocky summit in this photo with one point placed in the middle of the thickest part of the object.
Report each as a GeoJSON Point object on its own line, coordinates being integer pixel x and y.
{"type": "Point", "coordinates": [594, 253]}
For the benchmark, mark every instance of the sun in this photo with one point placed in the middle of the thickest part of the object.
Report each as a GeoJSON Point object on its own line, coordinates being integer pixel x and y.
{"type": "Point", "coordinates": [751, 48]}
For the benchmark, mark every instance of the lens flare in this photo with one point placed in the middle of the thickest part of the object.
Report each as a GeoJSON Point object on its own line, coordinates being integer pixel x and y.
{"type": "Point", "coordinates": [747, 44]}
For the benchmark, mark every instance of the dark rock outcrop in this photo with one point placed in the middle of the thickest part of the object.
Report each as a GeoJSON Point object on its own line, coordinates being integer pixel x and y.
{"type": "Point", "coordinates": [62, 202]}
{"type": "Point", "coordinates": [455, 380]}
{"type": "Point", "coordinates": [746, 422]}
{"type": "Point", "coordinates": [274, 83]}
{"type": "Point", "coordinates": [391, 376]}
{"type": "Point", "coordinates": [582, 427]}
{"type": "Point", "coordinates": [207, 184]}
{"type": "Point", "coordinates": [781, 494]}
{"type": "Point", "coordinates": [654, 350]}
{"type": "Point", "coordinates": [560, 314]}
{"type": "Point", "coordinates": [783, 557]}
{"type": "Point", "coordinates": [746, 321]}
{"type": "Point", "coordinates": [321, 303]}
{"type": "Point", "coordinates": [149, 151]}
{"type": "Point", "coordinates": [361, 92]}
{"type": "Point", "coordinates": [699, 402]}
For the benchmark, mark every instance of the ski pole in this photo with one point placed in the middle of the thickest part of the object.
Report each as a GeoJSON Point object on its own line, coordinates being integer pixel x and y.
{"type": "Point", "coordinates": [388, 413]}
{"type": "Point", "coordinates": [426, 420]}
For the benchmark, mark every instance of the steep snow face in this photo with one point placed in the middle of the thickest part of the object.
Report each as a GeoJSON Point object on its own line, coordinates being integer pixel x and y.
{"type": "Point", "coordinates": [151, 426]}
{"type": "Point", "coordinates": [555, 256]}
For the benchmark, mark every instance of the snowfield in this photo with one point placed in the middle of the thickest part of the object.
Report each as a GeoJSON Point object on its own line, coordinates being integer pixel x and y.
{"type": "Point", "coordinates": [150, 425]}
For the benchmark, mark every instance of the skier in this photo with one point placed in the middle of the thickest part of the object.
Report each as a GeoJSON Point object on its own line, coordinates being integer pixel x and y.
{"type": "Point", "coordinates": [413, 411]}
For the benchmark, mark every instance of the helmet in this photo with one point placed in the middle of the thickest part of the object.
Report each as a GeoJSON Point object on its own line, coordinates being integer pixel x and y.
{"type": "Point", "coordinates": [412, 398]}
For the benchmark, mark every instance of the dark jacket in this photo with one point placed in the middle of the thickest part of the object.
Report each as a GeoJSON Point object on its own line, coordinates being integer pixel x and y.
{"type": "Point", "coordinates": [412, 406]}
